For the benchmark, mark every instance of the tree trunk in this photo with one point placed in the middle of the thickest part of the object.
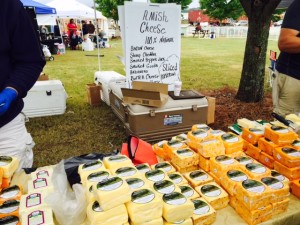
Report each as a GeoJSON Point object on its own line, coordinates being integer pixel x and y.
{"type": "Point", "coordinates": [251, 88]}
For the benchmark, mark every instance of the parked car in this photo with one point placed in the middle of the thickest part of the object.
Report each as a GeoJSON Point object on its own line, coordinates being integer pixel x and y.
{"type": "Point", "coordinates": [277, 23]}
{"type": "Point", "coordinates": [241, 23]}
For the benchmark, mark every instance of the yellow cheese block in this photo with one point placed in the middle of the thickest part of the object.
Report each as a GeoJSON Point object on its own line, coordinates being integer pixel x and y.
{"type": "Point", "coordinates": [172, 145]}
{"type": "Point", "coordinates": [10, 208]}
{"type": "Point", "coordinates": [290, 173]}
{"type": "Point", "coordinates": [116, 161]}
{"type": "Point", "coordinates": [253, 194]}
{"type": "Point", "coordinates": [188, 191]}
{"type": "Point", "coordinates": [114, 216]}
{"type": "Point", "coordinates": [32, 201]}
{"type": "Point", "coordinates": [89, 193]}
{"type": "Point", "coordinates": [9, 165]}
{"type": "Point", "coordinates": [201, 126]}
{"type": "Point", "coordinates": [8, 220]}
{"type": "Point", "coordinates": [266, 159]}
{"type": "Point", "coordinates": [287, 156]}
{"type": "Point", "coordinates": [204, 163]}
{"type": "Point", "coordinates": [278, 190]}
{"type": "Point", "coordinates": [144, 206]}
{"type": "Point", "coordinates": [214, 194]}
{"type": "Point", "coordinates": [296, 144]}
{"type": "Point", "coordinates": [253, 151]}
{"type": "Point", "coordinates": [232, 178]}
{"type": "Point", "coordinates": [197, 178]}
{"type": "Point", "coordinates": [252, 135]}
{"type": "Point", "coordinates": [13, 192]}
{"type": "Point", "coordinates": [232, 142]}
{"type": "Point", "coordinates": [280, 207]}
{"type": "Point", "coordinates": [204, 213]}
{"type": "Point", "coordinates": [244, 159]}
{"type": "Point", "coordinates": [295, 187]}
{"type": "Point", "coordinates": [256, 170]}
{"type": "Point", "coordinates": [280, 177]}
{"type": "Point", "coordinates": [219, 165]}
{"type": "Point", "coordinates": [39, 185]}
{"type": "Point", "coordinates": [216, 133]}
{"type": "Point", "coordinates": [164, 187]}
{"type": "Point", "coordinates": [180, 137]}
{"type": "Point", "coordinates": [185, 157]}
{"type": "Point", "coordinates": [137, 183]}
{"type": "Point", "coordinates": [158, 149]}
{"type": "Point", "coordinates": [215, 178]}
{"type": "Point", "coordinates": [177, 178]}
{"type": "Point", "coordinates": [84, 170]}
{"type": "Point", "coordinates": [188, 221]}
{"type": "Point", "coordinates": [280, 135]}
{"type": "Point", "coordinates": [211, 147]}
{"type": "Point", "coordinates": [112, 192]}
{"type": "Point", "coordinates": [42, 172]}
{"type": "Point", "coordinates": [155, 175]}
{"type": "Point", "coordinates": [176, 207]}
{"type": "Point", "coordinates": [293, 117]}
{"type": "Point", "coordinates": [158, 221]}
{"type": "Point", "coordinates": [143, 168]}
{"type": "Point", "coordinates": [245, 145]}
{"type": "Point", "coordinates": [195, 137]}
{"type": "Point", "coordinates": [266, 145]}
{"type": "Point", "coordinates": [42, 216]}
{"type": "Point", "coordinates": [165, 166]}
{"type": "Point", "coordinates": [127, 172]}
{"type": "Point", "coordinates": [95, 177]}
{"type": "Point", "coordinates": [184, 169]}
{"type": "Point", "coordinates": [246, 123]}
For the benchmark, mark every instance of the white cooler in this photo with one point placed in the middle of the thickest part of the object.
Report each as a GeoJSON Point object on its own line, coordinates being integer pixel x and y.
{"type": "Point", "coordinates": [45, 98]}
{"type": "Point", "coordinates": [108, 80]}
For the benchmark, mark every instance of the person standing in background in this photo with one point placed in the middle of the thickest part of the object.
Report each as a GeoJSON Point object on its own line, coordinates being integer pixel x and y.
{"type": "Point", "coordinates": [71, 27]}
{"type": "Point", "coordinates": [21, 63]}
{"type": "Point", "coordinates": [286, 85]}
{"type": "Point", "coordinates": [85, 32]}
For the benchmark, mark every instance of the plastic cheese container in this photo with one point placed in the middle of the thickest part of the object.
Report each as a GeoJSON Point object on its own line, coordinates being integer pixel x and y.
{"type": "Point", "coordinates": [280, 177]}
{"type": "Point", "coordinates": [201, 126]}
{"type": "Point", "coordinates": [42, 216]}
{"type": "Point", "coordinates": [185, 157]}
{"type": "Point", "coordinates": [287, 156]}
{"type": "Point", "coordinates": [9, 208]}
{"type": "Point", "coordinates": [137, 183]}
{"type": "Point", "coordinates": [204, 213]}
{"type": "Point", "coordinates": [266, 145]}
{"type": "Point", "coordinates": [244, 159]}
{"type": "Point", "coordinates": [116, 161]}
{"type": "Point", "coordinates": [188, 191]}
{"type": "Point", "coordinates": [232, 178]}
{"type": "Point", "coordinates": [252, 135]}
{"type": "Point", "coordinates": [180, 137]}
{"type": "Point", "coordinates": [204, 163]}
{"type": "Point", "coordinates": [197, 178]}
{"type": "Point", "coordinates": [280, 135]}
{"type": "Point", "coordinates": [31, 201]}
{"type": "Point", "coordinates": [196, 137]}
{"type": "Point", "coordinates": [153, 176]}
{"type": "Point", "coordinates": [127, 172]}
{"type": "Point", "coordinates": [10, 220]}
{"type": "Point", "coordinates": [85, 169]}
{"type": "Point", "coordinates": [95, 177]}
{"type": "Point", "coordinates": [164, 187]}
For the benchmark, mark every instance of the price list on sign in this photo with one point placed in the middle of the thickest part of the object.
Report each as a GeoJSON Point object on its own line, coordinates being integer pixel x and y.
{"type": "Point", "coordinates": [151, 42]}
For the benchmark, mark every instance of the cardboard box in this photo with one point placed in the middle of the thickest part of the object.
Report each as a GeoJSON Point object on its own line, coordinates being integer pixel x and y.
{"type": "Point", "coordinates": [43, 77]}
{"type": "Point", "coordinates": [211, 110]}
{"type": "Point", "coordinates": [146, 93]}
{"type": "Point", "coordinates": [93, 94]}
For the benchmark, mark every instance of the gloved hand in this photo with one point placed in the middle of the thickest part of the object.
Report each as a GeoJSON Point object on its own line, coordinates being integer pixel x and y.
{"type": "Point", "coordinates": [7, 96]}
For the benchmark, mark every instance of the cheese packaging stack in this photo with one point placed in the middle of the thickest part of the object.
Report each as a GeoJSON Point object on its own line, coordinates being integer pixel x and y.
{"type": "Point", "coordinates": [95, 177]}
{"type": "Point", "coordinates": [8, 165]}
{"type": "Point", "coordinates": [252, 135]}
{"type": "Point", "coordinates": [287, 156]}
{"type": "Point", "coordinates": [116, 161]}
{"type": "Point", "coordinates": [197, 178]}
{"type": "Point", "coordinates": [195, 137]}
{"type": "Point", "coordinates": [137, 183]}
{"type": "Point", "coordinates": [43, 216]}
{"type": "Point", "coordinates": [114, 216]}
{"type": "Point", "coordinates": [177, 178]}
{"type": "Point", "coordinates": [232, 178]}
{"type": "Point", "coordinates": [165, 166]}
{"type": "Point", "coordinates": [13, 192]}
{"type": "Point", "coordinates": [279, 191]}
{"type": "Point", "coordinates": [84, 170]}
{"type": "Point", "coordinates": [42, 172]}
{"type": "Point", "coordinates": [256, 170]}
{"type": "Point", "coordinates": [184, 158]}
{"type": "Point", "coordinates": [253, 151]}
{"type": "Point", "coordinates": [211, 147]}
{"type": "Point", "coordinates": [153, 176]}
{"type": "Point", "coordinates": [201, 126]}
{"type": "Point", "coordinates": [176, 207]}
{"type": "Point", "coordinates": [243, 159]}
{"type": "Point", "coordinates": [290, 173]}
{"type": "Point", "coordinates": [8, 220]}
{"type": "Point", "coordinates": [232, 142]}
{"type": "Point", "coordinates": [280, 207]}
{"type": "Point", "coordinates": [143, 168]}
{"type": "Point", "coordinates": [182, 222]}
{"type": "Point", "coordinates": [112, 192]}
{"type": "Point", "coordinates": [10, 208]}
{"type": "Point", "coordinates": [184, 169]}
{"type": "Point", "coordinates": [280, 177]}
{"type": "Point", "coordinates": [295, 187]}
{"type": "Point", "coordinates": [204, 213]}
{"type": "Point", "coordinates": [164, 187]}
{"type": "Point", "coordinates": [266, 146]}
{"type": "Point", "coordinates": [159, 149]}
{"type": "Point", "coordinates": [144, 206]}
{"type": "Point", "coordinates": [127, 172]}
{"type": "Point", "coordinates": [266, 159]}
{"type": "Point", "coordinates": [219, 165]}
{"type": "Point", "coordinates": [32, 201]}
{"type": "Point", "coordinates": [172, 145]}
{"type": "Point", "coordinates": [280, 135]}
{"type": "Point", "coordinates": [204, 163]}
{"type": "Point", "coordinates": [189, 192]}
{"type": "Point", "coordinates": [40, 185]}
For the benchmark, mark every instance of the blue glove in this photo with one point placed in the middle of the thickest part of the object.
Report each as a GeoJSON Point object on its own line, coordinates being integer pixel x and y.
{"type": "Point", "coordinates": [6, 97]}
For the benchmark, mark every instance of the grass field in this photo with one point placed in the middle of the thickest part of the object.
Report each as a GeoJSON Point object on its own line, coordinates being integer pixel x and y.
{"type": "Point", "coordinates": [205, 64]}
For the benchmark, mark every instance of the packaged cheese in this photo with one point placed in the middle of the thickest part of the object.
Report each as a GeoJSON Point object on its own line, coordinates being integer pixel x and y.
{"type": "Point", "coordinates": [39, 185]}
{"type": "Point", "coordinates": [266, 159]}
{"type": "Point", "coordinates": [165, 166]}
{"type": "Point", "coordinates": [172, 145]}
{"type": "Point", "coordinates": [185, 157]}
{"type": "Point", "coordinates": [245, 145]}
{"type": "Point", "coordinates": [197, 178]}
{"type": "Point", "coordinates": [232, 178]}
{"type": "Point", "coordinates": [87, 168]}
{"type": "Point", "coordinates": [153, 176]}
{"type": "Point", "coordinates": [214, 194]}
{"type": "Point", "coordinates": [188, 221]}
{"type": "Point", "coordinates": [246, 123]}
{"type": "Point", "coordinates": [195, 137]}
{"type": "Point", "coordinates": [10, 220]}
{"type": "Point", "coordinates": [32, 201]}
{"type": "Point", "coordinates": [116, 161]}
{"type": "Point", "coordinates": [279, 190]}
{"type": "Point", "coordinates": [216, 133]}
{"type": "Point", "coordinates": [201, 126]}
{"type": "Point", "coordinates": [296, 144]}
{"type": "Point", "coordinates": [136, 183]}
{"type": "Point", "coordinates": [89, 193]}
{"type": "Point", "coordinates": [244, 159]}
{"type": "Point", "coordinates": [158, 221]}
{"type": "Point", "coordinates": [287, 156]}
{"type": "Point", "coordinates": [180, 137]}
{"type": "Point", "coordinates": [204, 213]}
{"type": "Point", "coordinates": [253, 151]}
{"type": "Point", "coordinates": [144, 206]}
{"type": "Point", "coordinates": [95, 177]}
{"type": "Point", "coordinates": [188, 192]}
{"type": "Point", "coordinates": [280, 135]}
{"type": "Point", "coordinates": [215, 178]}
{"type": "Point", "coordinates": [158, 149]}
{"type": "Point", "coordinates": [232, 142]}
{"type": "Point", "coordinates": [295, 188]}
{"type": "Point", "coordinates": [204, 163]}
{"type": "Point", "coordinates": [252, 135]}
{"type": "Point", "coordinates": [127, 172]}
{"type": "Point", "coordinates": [219, 165]}
{"type": "Point", "coordinates": [280, 177]}
{"type": "Point", "coordinates": [177, 178]}
{"type": "Point", "coordinates": [43, 172]}
{"type": "Point", "coordinates": [184, 169]}
{"type": "Point", "coordinates": [114, 216]}
{"type": "Point", "coordinates": [13, 192]}
{"type": "Point", "coordinates": [164, 187]}
{"type": "Point", "coordinates": [112, 192]}
{"type": "Point", "coordinates": [143, 168]}
{"type": "Point", "coordinates": [211, 147]}
{"type": "Point", "coordinates": [290, 173]}
{"type": "Point", "coordinates": [256, 170]}
{"type": "Point", "coordinates": [266, 145]}
{"type": "Point", "coordinates": [280, 207]}
{"type": "Point", "coordinates": [10, 208]}
{"type": "Point", "coordinates": [9, 165]}
{"type": "Point", "coordinates": [176, 207]}
{"type": "Point", "coordinates": [40, 216]}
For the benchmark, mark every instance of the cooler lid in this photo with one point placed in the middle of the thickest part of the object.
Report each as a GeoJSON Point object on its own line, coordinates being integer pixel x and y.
{"type": "Point", "coordinates": [105, 77]}
{"type": "Point", "coordinates": [47, 85]}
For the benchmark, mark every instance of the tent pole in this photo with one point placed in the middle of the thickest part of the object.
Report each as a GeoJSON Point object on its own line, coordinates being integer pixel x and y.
{"type": "Point", "coordinates": [97, 35]}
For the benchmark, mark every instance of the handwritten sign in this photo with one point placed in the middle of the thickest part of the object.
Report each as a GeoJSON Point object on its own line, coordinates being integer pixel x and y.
{"type": "Point", "coordinates": [151, 40]}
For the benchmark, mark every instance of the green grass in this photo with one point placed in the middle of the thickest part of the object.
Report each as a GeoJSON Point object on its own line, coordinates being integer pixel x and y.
{"type": "Point", "coordinates": [205, 64]}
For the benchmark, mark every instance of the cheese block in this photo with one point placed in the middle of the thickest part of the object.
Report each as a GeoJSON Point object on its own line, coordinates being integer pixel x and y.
{"type": "Point", "coordinates": [195, 137]}
{"type": "Point", "coordinates": [111, 192]}
{"type": "Point", "coordinates": [177, 178]}
{"type": "Point", "coordinates": [10, 220]}
{"type": "Point", "coordinates": [188, 191]}
{"type": "Point", "coordinates": [188, 221]}
{"type": "Point", "coordinates": [164, 187]}
{"type": "Point", "coordinates": [9, 165]}
{"type": "Point", "coordinates": [280, 207]}
{"type": "Point", "coordinates": [85, 169]}
{"type": "Point", "coordinates": [287, 156]}
{"type": "Point", "coordinates": [155, 175]}
{"type": "Point", "coordinates": [244, 159]}
{"type": "Point", "coordinates": [295, 187]}
{"type": "Point", "coordinates": [43, 216]}
{"type": "Point", "coordinates": [280, 177]}
{"type": "Point", "coordinates": [232, 178]}
{"type": "Point", "coordinates": [43, 172]}
{"type": "Point", "coordinates": [185, 157]}
{"type": "Point", "coordinates": [40, 184]}
{"type": "Point", "coordinates": [137, 183]}
{"type": "Point", "coordinates": [127, 172]}
{"type": "Point", "coordinates": [214, 194]}
{"type": "Point", "coordinates": [253, 151]}
{"type": "Point", "coordinates": [95, 177]}
{"type": "Point", "coordinates": [184, 169]}
{"type": "Point", "coordinates": [293, 117]}
{"type": "Point", "coordinates": [253, 194]}
{"type": "Point", "coordinates": [245, 145]}
{"type": "Point", "coordinates": [144, 206]}
{"type": "Point", "coordinates": [211, 147]}
{"type": "Point", "coordinates": [266, 145]}
{"type": "Point", "coordinates": [158, 149]}
{"type": "Point", "coordinates": [252, 135]}
{"type": "Point", "coordinates": [216, 133]}
{"type": "Point", "coordinates": [172, 145]}
{"type": "Point", "coordinates": [232, 142]}
{"type": "Point", "coordinates": [266, 159]}
{"type": "Point", "coordinates": [114, 216]}
{"type": "Point", "coordinates": [290, 173]}
{"type": "Point", "coordinates": [143, 168]}
{"type": "Point", "coordinates": [9, 208]}
{"type": "Point", "coordinates": [158, 221]}
{"type": "Point", "coordinates": [296, 144]}
{"type": "Point", "coordinates": [116, 161]}
{"type": "Point", "coordinates": [197, 177]}
{"type": "Point", "coordinates": [176, 207]}
{"type": "Point", "coordinates": [246, 123]}
{"type": "Point", "coordinates": [165, 166]}
{"type": "Point", "coordinates": [280, 135]}
{"type": "Point", "coordinates": [204, 213]}
{"type": "Point", "coordinates": [278, 190]}
{"type": "Point", "coordinates": [13, 192]}
{"type": "Point", "coordinates": [204, 163]}
{"type": "Point", "coordinates": [89, 193]}
{"type": "Point", "coordinates": [256, 170]}
{"type": "Point", "coordinates": [237, 154]}
{"type": "Point", "coordinates": [180, 137]}
{"type": "Point", "coordinates": [215, 178]}
{"type": "Point", "coordinates": [219, 165]}
{"type": "Point", "coordinates": [201, 126]}
{"type": "Point", "coordinates": [32, 201]}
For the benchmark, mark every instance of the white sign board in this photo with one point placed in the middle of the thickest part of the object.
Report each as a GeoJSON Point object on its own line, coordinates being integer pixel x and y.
{"type": "Point", "coordinates": [151, 41]}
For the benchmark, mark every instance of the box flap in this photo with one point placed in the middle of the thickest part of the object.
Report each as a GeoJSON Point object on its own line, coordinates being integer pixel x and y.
{"type": "Point", "coordinates": [149, 86]}
{"type": "Point", "coordinates": [141, 94]}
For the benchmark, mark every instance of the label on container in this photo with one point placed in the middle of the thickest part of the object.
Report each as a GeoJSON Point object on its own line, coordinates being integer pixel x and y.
{"type": "Point", "coordinates": [243, 159]}
{"type": "Point", "coordinates": [170, 120]}
{"type": "Point", "coordinates": [176, 178]}
{"type": "Point", "coordinates": [210, 190]}
{"type": "Point", "coordinates": [198, 175]}
{"type": "Point", "coordinates": [256, 168]}
{"type": "Point", "coordinates": [33, 200]}
{"type": "Point", "coordinates": [277, 175]}
{"type": "Point", "coordinates": [164, 166]}
{"type": "Point", "coordinates": [164, 186]}
{"type": "Point", "coordinates": [200, 133]}
{"type": "Point", "coordinates": [296, 143]}
{"type": "Point", "coordinates": [256, 131]}
{"type": "Point", "coordinates": [9, 220]}
{"type": "Point", "coordinates": [185, 152]}
{"type": "Point", "coordinates": [280, 130]}
{"type": "Point", "coordinates": [92, 165]}
{"type": "Point", "coordinates": [5, 160]}
{"type": "Point", "coordinates": [236, 175]}
{"type": "Point", "coordinates": [9, 206]}
{"type": "Point", "coordinates": [253, 186]}
{"type": "Point", "coordinates": [187, 191]}
{"type": "Point", "coordinates": [126, 171]}
{"type": "Point", "coordinates": [143, 168]}
{"type": "Point", "coordinates": [229, 138]}
{"type": "Point", "coordinates": [203, 127]}
{"type": "Point", "coordinates": [42, 174]}
{"type": "Point", "coordinates": [291, 152]}
{"type": "Point", "coordinates": [40, 183]}
{"type": "Point", "coordinates": [10, 192]}
{"type": "Point", "coordinates": [117, 158]}
{"type": "Point", "coordinates": [272, 183]}
{"type": "Point", "coordinates": [142, 196]}
{"type": "Point", "coordinates": [175, 144]}
{"type": "Point", "coordinates": [36, 218]}
{"type": "Point", "coordinates": [181, 137]}
{"type": "Point", "coordinates": [98, 176]}
{"type": "Point", "coordinates": [135, 183]}
{"type": "Point", "coordinates": [217, 133]}
{"type": "Point", "coordinates": [224, 159]}
{"type": "Point", "coordinates": [155, 175]}
{"type": "Point", "coordinates": [201, 207]}
{"type": "Point", "coordinates": [110, 184]}
{"type": "Point", "coordinates": [174, 198]}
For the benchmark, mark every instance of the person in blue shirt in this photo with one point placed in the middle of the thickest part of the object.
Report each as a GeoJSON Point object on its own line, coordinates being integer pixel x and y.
{"type": "Point", "coordinates": [286, 86]}
{"type": "Point", "coordinates": [21, 62]}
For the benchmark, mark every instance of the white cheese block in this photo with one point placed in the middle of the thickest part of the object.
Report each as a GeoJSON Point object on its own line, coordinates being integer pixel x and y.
{"type": "Point", "coordinates": [155, 175]}
{"type": "Point", "coordinates": [9, 165]}
{"type": "Point", "coordinates": [165, 166]}
{"type": "Point", "coordinates": [41, 216]}
{"type": "Point", "coordinates": [188, 221]}
{"type": "Point", "coordinates": [204, 213]}
{"type": "Point", "coordinates": [127, 172]}
{"type": "Point", "coordinates": [40, 185]}
{"type": "Point", "coordinates": [43, 172]}
{"type": "Point", "coordinates": [144, 206]}
{"type": "Point", "coordinates": [164, 187]}
{"type": "Point", "coordinates": [176, 207]}
{"type": "Point", "coordinates": [197, 177]}
{"type": "Point", "coordinates": [188, 192]}
{"type": "Point", "coordinates": [84, 170]}
{"type": "Point", "coordinates": [32, 201]}
{"type": "Point", "coordinates": [116, 161]}
{"type": "Point", "coordinates": [112, 192]}
{"type": "Point", "coordinates": [177, 178]}
{"type": "Point", "coordinates": [143, 168]}
{"type": "Point", "coordinates": [137, 183]}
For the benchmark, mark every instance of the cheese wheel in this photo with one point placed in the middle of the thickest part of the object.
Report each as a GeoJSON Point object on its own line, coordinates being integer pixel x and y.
{"type": "Point", "coordinates": [219, 165]}
{"type": "Point", "coordinates": [137, 183]}
{"type": "Point", "coordinates": [280, 135]}
{"type": "Point", "coordinates": [188, 191]}
{"type": "Point", "coordinates": [176, 207]}
{"type": "Point", "coordinates": [252, 135]}
{"type": "Point", "coordinates": [256, 170]}
{"type": "Point", "coordinates": [155, 175]}
{"type": "Point", "coordinates": [43, 216]}
{"type": "Point", "coordinates": [188, 221]}
{"type": "Point", "coordinates": [159, 149]}
{"type": "Point", "coordinates": [10, 208]}
{"type": "Point", "coordinates": [266, 145]}
{"type": "Point", "coordinates": [95, 177]}
{"type": "Point", "coordinates": [214, 194]}
{"type": "Point", "coordinates": [232, 178]}
{"type": "Point", "coordinates": [127, 172]}
{"type": "Point", "coordinates": [211, 147]}
{"type": "Point", "coordinates": [158, 221]}
{"type": "Point", "coordinates": [295, 188]}
{"type": "Point", "coordinates": [185, 157]}
{"type": "Point", "coordinates": [278, 190]}
{"type": "Point", "coordinates": [116, 161]}
{"type": "Point", "coordinates": [32, 201]}
{"type": "Point", "coordinates": [177, 178]}
{"type": "Point", "coordinates": [165, 166]}
{"type": "Point", "coordinates": [280, 207]}
{"type": "Point", "coordinates": [280, 177]}
{"type": "Point", "coordinates": [201, 126]}
{"type": "Point", "coordinates": [232, 142]}
{"type": "Point", "coordinates": [287, 156]}
{"type": "Point", "coordinates": [164, 187]}
{"type": "Point", "coordinates": [13, 192]}
{"type": "Point", "coordinates": [253, 151]}
{"type": "Point", "coordinates": [143, 168]}
{"type": "Point", "coordinates": [184, 169]}
{"type": "Point", "coordinates": [9, 165]}
{"type": "Point", "coordinates": [111, 192]}
{"type": "Point", "coordinates": [144, 206]}
{"type": "Point", "coordinates": [204, 213]}
{"type": "Point", "coordinates": [172, 145]}
{"type": "Point", "coordinates": [204, 163]}
{"type": "Point", "coordinates": [195, 137]}
{"type": "Point", "coordinates": [197, 178]}
{"type": "Point", "coordinates": [266, 159]}
{"type": "Point", "coordinates": [9, 220]}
